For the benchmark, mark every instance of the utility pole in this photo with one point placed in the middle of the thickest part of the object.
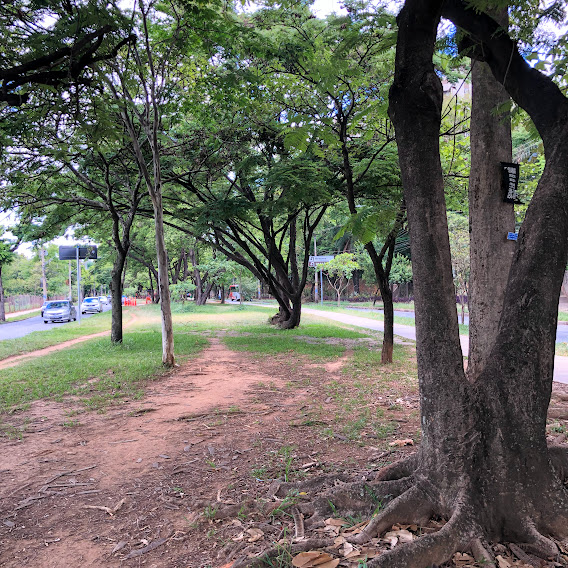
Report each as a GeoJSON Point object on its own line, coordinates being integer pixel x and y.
{"type": "Point", "coordinates": [316, 272]}
{"type": "Point", "coordinates": [78, 283]}
{"type": "Point", "coordinates": [70, 282]}
{"type": "Point", "coordinates": [42, 253]}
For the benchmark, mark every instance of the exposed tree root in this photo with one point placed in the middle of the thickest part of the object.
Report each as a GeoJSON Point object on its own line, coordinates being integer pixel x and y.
{"type": "Point", "coordinates": [316, 484]}
{"type": "Point", "coordinates": [411, 507]}
{"type": "Point", "coordinates": [410, 499]}
{"type": "Point", "coordinates": [404, 467]}
{"type": "Point", "coordinates": [538, 544]}
{"type": "Point", "coordinates": [481, 554]}
{"type": "Point", "coordinates": [264, 558]}
{"type": "Point", "coordinates": [559, 459]}
{"type": "Point", "coordinates": [431, 549]}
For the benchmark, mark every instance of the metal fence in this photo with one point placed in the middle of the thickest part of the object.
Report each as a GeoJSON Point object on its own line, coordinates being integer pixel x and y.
{"type": "Point", "coordinates": [25, 302]}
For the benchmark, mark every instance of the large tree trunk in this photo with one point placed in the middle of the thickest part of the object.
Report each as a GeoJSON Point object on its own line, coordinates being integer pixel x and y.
{"type": "Point", "coordinates": [483, 463]}
{"type": "Point", "coordinates": [490, 218]}
{"type": "Point", "coordinates": [289, 319]}
{"type": "Point", "coordinates": [202, 295]}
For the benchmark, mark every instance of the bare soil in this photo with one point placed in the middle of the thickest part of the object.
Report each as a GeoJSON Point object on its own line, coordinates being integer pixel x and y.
{"type": "Point", "coordinates": [168, 481]}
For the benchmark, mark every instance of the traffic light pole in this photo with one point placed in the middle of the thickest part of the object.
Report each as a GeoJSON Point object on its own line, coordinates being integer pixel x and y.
{"type": "Point", "coordinates": [78, 284]}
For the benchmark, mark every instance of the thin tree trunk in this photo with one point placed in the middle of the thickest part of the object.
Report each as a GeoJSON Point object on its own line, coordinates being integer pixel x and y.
{"type": "Point", "coordinates": [2, 298]}
{"type": "Point", "coordinates": [168, 358]}
{"type": "Point", "coordinates": [116, 291]}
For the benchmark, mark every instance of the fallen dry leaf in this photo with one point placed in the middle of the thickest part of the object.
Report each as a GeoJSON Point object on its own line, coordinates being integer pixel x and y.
{"type": "Point", "coordinates": [402, 535]}
{"type": "Point", "coordinates": [339, 541]}
{"type": "Point", "coordinates": [314, 558]}
{"type": "Point", "coordinates": [502, 562]}
{"type": "Point", "coordinates": [335, 522]}
{"type": "Point", "coordinates": [255, 534]}
{"type": "Point", "coordinates": [463, 560]}
{"type": "Point", "coordinates": [347, 549]}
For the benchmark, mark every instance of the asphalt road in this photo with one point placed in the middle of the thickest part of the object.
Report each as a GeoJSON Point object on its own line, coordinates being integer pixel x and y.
{"type": "Point", "coordinates": [561, 330]}
{"type": "Point", "coordinates": [409, 332]}
{"type": "Point", "coordinates": [15, 329]}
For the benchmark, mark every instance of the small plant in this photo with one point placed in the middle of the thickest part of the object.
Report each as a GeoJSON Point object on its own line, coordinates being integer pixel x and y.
{"type": "Point", "coordinates": [210, 463]}
{"type": "Point", "coordinates": [259, 472]}
{"type": "Point", "coordinates": [71, 424]}
{"type": "Point", "coordinates": [287, 459]}
{"type": "Point", "coordinates": [281, 559]}
{"type": "Point", "coordinates": [351, 521]}
{"type": "Point", "coordinates": [210, 512]}
{"type": "Point", "coordinates": [289, 501]}
{"type": "Point", "coordinates": [382, 431]}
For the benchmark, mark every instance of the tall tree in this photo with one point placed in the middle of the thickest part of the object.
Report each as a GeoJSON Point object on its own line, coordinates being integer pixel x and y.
{"type": "Point", "coordinates": [335, 78]}
{"type": "Point", "coordinates": [483, 464]}
{"type": "Point", "coordinates": [90, 179]}
{"type": "Point", "coordinates": [141, 93]}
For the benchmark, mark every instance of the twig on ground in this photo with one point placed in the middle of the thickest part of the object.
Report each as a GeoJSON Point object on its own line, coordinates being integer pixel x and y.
{"type": "Point", "coordinates": [108, 510]}
{"type": "Point", "coordinates": [151, 546]}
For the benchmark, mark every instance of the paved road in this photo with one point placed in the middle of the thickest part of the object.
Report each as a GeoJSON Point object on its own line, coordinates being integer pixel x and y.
{"type": "Point", "coordinates": [561, 330]}
{"type": "Point", "coordinates": [15, 329]}
{"type": "Point", "coordinates": [409, 332]}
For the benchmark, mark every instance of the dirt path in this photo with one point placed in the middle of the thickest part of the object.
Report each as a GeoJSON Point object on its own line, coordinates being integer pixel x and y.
{"type": "Point", "coordinates": [130, 487]}
{"type": "Point", "coordinates": [17, 359]}
{"type": "Point", "coordinates": [163, 455]}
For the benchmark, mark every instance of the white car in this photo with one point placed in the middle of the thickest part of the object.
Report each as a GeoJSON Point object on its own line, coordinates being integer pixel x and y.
{"type": "Point", "coordinates": [91, 305]}
{"type": "Point", "coordinates": [103, 299]}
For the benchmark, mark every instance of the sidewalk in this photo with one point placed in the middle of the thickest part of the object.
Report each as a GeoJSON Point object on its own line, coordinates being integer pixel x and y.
{"type": "Point", "coordinates": [409, 332]}
{"type": "Point", "coordinates": [16, 314]}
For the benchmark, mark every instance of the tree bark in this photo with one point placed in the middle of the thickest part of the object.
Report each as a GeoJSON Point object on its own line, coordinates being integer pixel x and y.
{"type": "Point", "coordinates": [483, 462]}
{"type": "Point", "coordinates": [490, 218]}
{"type": "Point", "coordinates": [168, 358]}
{"type": "Point", "coordinates": [116, 291]}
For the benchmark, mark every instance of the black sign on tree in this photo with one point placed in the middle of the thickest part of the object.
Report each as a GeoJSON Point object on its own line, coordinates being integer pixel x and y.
{"type": "Point", "coordinates": [510, 182]}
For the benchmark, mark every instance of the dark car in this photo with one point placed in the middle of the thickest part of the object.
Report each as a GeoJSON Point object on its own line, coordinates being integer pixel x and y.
{"type": "Point", "coordinates": [59, 310]}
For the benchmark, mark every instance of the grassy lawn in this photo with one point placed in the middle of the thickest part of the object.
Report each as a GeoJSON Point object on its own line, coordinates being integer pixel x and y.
{"type": "Point", "coordinates": [40, 339]}
{"type": "Point", "coordinates": [309, 339]}
{"type": "Point", "coordinates": [95, 372]}
{"type": "Point", "coordinates": [21, 317]}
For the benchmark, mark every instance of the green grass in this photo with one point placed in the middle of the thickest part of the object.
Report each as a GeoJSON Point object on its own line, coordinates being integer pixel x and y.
{"type": "Point", "coordinates": [562, 349]}
{"type": "Point", "coordinates": [270, 344]}
{"type": "Point", "coordinates": [95, 372]}
{"type": "Point", "coordinates": [269, 340]}
{"type": "Point", "coordinates": [21, 317]}
{"type": "Point", "coordinates": [316, 330]}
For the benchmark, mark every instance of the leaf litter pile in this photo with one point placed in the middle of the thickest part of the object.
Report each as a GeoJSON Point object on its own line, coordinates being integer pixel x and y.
{"type": "Point", "coordinates": [216, 465]}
